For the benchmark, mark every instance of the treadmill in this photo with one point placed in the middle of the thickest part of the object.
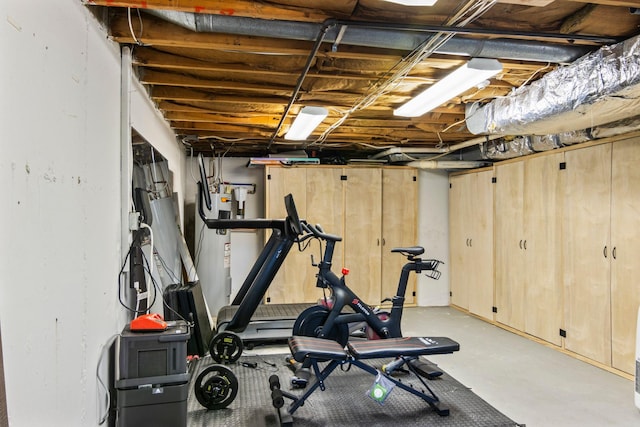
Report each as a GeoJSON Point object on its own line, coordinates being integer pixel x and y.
{"type": "Point", "coordinates": [246, 320]}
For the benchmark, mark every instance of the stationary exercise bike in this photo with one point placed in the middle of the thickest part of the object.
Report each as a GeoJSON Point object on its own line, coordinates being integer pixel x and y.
{"type": "Point", "coordinates": [328, 320]}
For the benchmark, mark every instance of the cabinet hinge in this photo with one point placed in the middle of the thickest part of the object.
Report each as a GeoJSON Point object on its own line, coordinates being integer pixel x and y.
{"type": "Point", "coordinates": [563, 333]}
{"type": "Point", "coordinates": [494, 309]}
{"type": "Point", "coordinates": [268, 299]}
{"type": "Point", "coordinates": [268, 177]}
{"type": "Point", "coordinates": [450, 293]}
{"type": "Point", "coordinates": [415, 178]}
{"type": "Point", "coordinates": [413, 293]}
{"type": "Point", "coordinates": [343, 177]}
{"type": "Point", "coordinates": [450, 185]}
{"type": "Point", "coordinates": [494, 179]}
{"type": "Point", "coordinates": [563, 165]}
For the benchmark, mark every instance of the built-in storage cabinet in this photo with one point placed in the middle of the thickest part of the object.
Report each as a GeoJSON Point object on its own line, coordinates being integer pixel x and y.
{"type": "Point", "coordinates": [586, 252]}
{"type": "Point", "coordinates": [528, 219]}
{"type": "Point", "coordinates": [399, 228]}
{"type": "Point", "coordinates": [471, 242]}
{"type": "Point", "coordinates": [459, 208]}
{"type": "Point", "coordinates": [567, 239]}
{"type": "Point", "coordinates": [543, 207]}
{"type": "Point", "coordinates": [325, 206]}
{"type": "Point", "coordinates": [373, 209]}
{"type": "Point", "coordinates": [625, 252]}
{"type": "Point", "coordinates": [363, 233]}
{"type": "Point", "coordinates": [510, 244]}
{"type": "Point", "coordinates": [294, 270]}
{"type": "Point", "coordinates": [601, 252]}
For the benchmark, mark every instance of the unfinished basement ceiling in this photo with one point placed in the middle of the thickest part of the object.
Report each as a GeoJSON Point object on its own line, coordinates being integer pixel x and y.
{"type": "Point", "coordinates": [230, 76]}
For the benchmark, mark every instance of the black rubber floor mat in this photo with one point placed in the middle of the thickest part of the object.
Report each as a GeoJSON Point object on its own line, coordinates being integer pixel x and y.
{"type": "Point", "coordinates": [343, 403]}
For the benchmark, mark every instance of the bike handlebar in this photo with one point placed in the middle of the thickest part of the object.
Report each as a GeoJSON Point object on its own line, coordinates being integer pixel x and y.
{"type": "Point", "coordinates": [316, 231]}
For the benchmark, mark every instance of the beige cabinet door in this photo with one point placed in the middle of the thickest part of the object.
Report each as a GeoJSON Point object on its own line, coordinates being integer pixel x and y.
{"type": "Point", "coordinates": [480, 264]}
{"type": "Point", "coordinates": [325, 207]}
{"type": "Point", "coordinates": [543, 192]}
{"type": "Point", "coordinates": [509, 244]}
{"type": "Point", "coordinates": [625, 265]}
{"type": "Point", "coordinates": [399, 229]}
{"type": "Point", "coordinates": [363, 228]}
{"type": "Point", "coordinates": [587, 251]}
{"type": "Point", "coordinates": [459, 250]}
{"type": "Point", "coordinates": [294, 282]}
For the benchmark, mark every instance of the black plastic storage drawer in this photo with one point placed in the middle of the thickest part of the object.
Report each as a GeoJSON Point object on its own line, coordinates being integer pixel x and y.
{"type": "Point", "coordinates": [153, 353]}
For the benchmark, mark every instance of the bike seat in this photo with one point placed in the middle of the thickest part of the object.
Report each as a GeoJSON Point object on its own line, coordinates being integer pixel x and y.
{"type": "Point", "coordinates": [412, 250]}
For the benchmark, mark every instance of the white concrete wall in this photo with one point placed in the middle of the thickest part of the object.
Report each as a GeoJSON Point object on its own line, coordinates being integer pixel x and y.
{"type": "Point", "coordinates": [433, 234]}
{"type": "Point", "coordinates": [60, 216]}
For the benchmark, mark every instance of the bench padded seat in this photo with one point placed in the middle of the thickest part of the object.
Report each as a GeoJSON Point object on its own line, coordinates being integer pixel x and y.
{"type": "Point", "coordinates": [318, 348]}
{"type": "Point", "coordinates": [403, 346]}
{"type": "Point", "coordinates": [315, 348]}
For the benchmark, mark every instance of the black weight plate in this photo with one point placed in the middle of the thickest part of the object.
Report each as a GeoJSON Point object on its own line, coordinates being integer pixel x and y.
{"type": "Point", "coordinates": [225, 347]}
{"type": "Point", "coordinates": [216, 387]}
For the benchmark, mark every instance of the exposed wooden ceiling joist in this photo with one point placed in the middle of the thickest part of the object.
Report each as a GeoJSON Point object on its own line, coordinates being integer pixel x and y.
{"type": "Point", "coordinates": [230, 90]}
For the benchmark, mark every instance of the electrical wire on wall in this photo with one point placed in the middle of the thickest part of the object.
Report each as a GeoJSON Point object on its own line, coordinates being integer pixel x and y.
{"type": "Point", "coordinates": [144, 295]}
{"type": "Point", "coordinates": [155, 286]}
{"type": "Point", "coordinates": [101, 387]}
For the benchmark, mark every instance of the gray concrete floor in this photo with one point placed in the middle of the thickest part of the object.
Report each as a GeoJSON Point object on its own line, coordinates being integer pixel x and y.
{"type": "Point", "coordinates": [527, 381]}
{"type": "Point", "coordinates": [530, 383]}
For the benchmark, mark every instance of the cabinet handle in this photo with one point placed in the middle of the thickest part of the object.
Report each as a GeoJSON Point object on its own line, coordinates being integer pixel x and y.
{"type": "Point", "coordinates": [613, 253]}
{"type": "Point", "coordinates": [605, 251]}
{"type": "Point", "coordinates": [470, 243]}
{"type": "Point", "coordinates": [378, 242]}
{"type": "Point", "coordinates": [384, 242]}
{"type": "Point", "coordinates": [525, 245]}
{"type": "Point", "coordinates": [467, 243]}
{"type": "Point", "coordinates": [520, 244]}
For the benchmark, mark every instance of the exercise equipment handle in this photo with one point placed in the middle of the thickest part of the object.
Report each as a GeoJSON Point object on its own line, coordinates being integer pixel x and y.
{"type": "Point", "coordinates": [277, 396]}
{"type": "Point", "coordinates": [274, 382]}
{"type": "Point", "coordinates": [317, 232]}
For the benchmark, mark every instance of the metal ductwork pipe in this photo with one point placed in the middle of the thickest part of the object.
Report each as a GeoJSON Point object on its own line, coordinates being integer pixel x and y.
{"type": "Point", "coordinates": [404, 38]}
{"type": "Point", "coordinates": [600, 88]}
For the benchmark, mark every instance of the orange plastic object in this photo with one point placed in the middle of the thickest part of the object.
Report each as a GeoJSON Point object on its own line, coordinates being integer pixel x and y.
{"type": "Point", "coordinates": [148, 322]}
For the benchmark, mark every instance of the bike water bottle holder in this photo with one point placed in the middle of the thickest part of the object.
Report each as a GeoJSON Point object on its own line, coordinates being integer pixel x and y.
{"type": "Point", "coordinates": [434, 274]}
{"type": "Point", "coordinates": [431, 268]}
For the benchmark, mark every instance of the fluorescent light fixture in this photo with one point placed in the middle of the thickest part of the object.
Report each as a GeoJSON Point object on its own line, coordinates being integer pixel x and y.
{"type": "Point", "coordinates": [413, 2]}
{"type": "Point", "coordinates": [307, 120]}
{"type": "Point", "coordinates": [464, 78]}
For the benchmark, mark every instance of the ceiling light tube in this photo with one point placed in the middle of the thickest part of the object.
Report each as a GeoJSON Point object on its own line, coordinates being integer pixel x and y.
{"type": "Point", "coordinates": [464, 78]}
{"type": "Point", "coordinates": [413, 2]}
{"type": "Point", "coordinates": [307, 120]}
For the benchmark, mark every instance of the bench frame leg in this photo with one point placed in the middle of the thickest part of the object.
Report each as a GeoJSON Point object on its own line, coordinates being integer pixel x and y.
{"type": "Point", "coordinates": [430, 398]}
{"type": "Point", "coordinates": [286, 413]}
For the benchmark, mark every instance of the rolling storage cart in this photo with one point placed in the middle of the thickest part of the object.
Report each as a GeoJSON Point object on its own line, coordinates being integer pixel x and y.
{"type": "Point", "coordinates": [152, 380]}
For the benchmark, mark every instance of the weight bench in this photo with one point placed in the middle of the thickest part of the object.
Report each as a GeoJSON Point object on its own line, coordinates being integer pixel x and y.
{"type": "Point", "coordinates": [318, 350]}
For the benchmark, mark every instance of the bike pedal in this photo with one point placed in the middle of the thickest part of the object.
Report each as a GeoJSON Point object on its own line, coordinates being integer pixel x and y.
{"type": "Point", "coordinates": [301, 378]}
{"type": "Point", "coordinates": [299, 382]}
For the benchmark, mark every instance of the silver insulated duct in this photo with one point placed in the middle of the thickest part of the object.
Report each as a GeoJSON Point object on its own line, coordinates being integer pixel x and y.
{"type": "Point", "coordinates": [601, 87]}
{"type": "Point", "coordinates": [358, 34]}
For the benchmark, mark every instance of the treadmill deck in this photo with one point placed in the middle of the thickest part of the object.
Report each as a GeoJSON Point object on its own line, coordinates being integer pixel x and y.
{"type": "Point", "coordinates": [270, 322]}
